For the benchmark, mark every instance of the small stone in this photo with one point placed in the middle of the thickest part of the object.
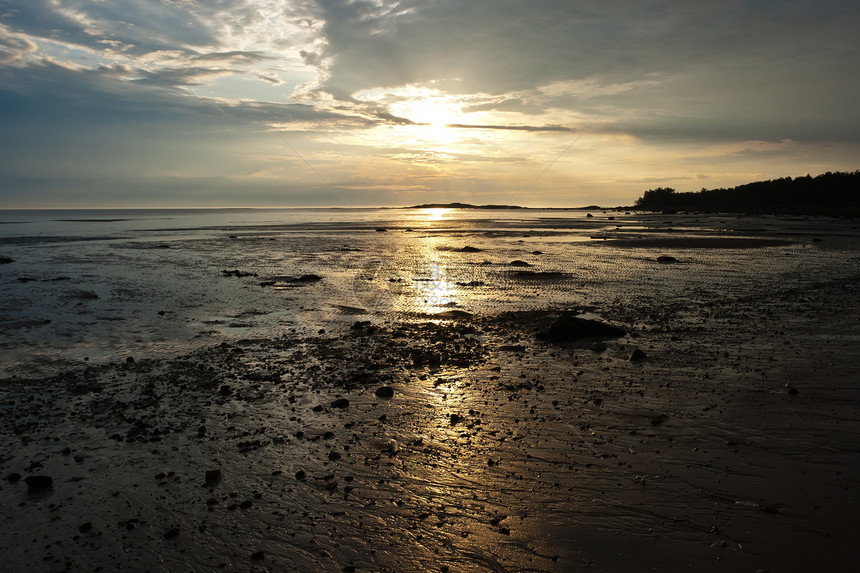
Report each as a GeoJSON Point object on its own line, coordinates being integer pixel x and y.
{"type": "Point", "coordinates": [171, 533]}
{"type": "Point", "coordinates": [340, 403]}
{"type": "Point", "coordinates": [301, 475]}
{"type": "Point", "coordinates": [666, 259]}
{"type": "Point", "coordinates": [13, 477]}
{"type": "Point", "coordinates": [456, 419]}
{"type": "Point", "coordinates": [129, 360]}
{"type": "Point", "coordinates": [519, 263]}
{"type": "Point", "coordinates": [213, 477]}
{"type": "Point", "coordinates": [793, 391]}
{"type": "Point", "coordinates": [333, 456]}
{"type": "Point", "coordinates": [384, 392]}
{"type": "Point", "coordinates": [258, 555]}
{"type": "Point", "coordinates": [35, 483]}
{"type": "Point", "coordinates": [598, 346]}
{"type": "Point", "coordinates": [636, 355]}
{"type": "Point", "coordinates": [246, 504]}
{"type": "Point", "coordinates": [659, 419]}
{"type": "Point", "coordinates": [85, 527]}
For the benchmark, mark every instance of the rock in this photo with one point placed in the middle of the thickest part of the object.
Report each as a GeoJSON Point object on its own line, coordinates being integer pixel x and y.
{"type": "Point", "coordinates": [36, 483]}
{"type": "Point", "coordinates": [666, 259]}
{"type": "Point", "coordinates": [258, 555]}
{"type": "Point", "coordinates": [6, 260]}
{"type": "Point", "coordinates": [637, 355]}
{"type": "Point", "coordinates": [381, 230]}
{"type": "Point", "coordinates": [537, 252]}
{"type": "Point", "coordinates": [301, 475]}
{"type": "Point", "coordinates": [384, 392]}
{"type": "Point", "coordinates": [334, 456]}
{"type": "Point", "coordinates": [13, 477]}
{"type": "Point", "coordinates": [246, 504]}
{"type": "Point", "coordinates": [171, 533]}
{"type": "Point", "coordinates": [213, 477]}
{"type": "Point", "coordinates": [84, 294]}
{"type": "Point", "coordinates": [340, 403]}
{"type": "Point", "coordinates": [85, 527]}
{"type": "Point", "coordinates": [659, 419]}
{"type": "Point", "coordinates": [237, 273]}
{"type": "Point", "coordinates": [598, 346]}
{"type": "Point", "coordinates": [519, 263]}
{"type": "Point", "coordinates": [568, 326]}
{"type": "Point", "coordinates": [589, 216]}
{"type": "Point", "coordinates": [468, 249]}
{"type": "Point", "coordinates": [129, 360]}
{"type": "Point", "coordinates": [793, 391]}
{"type": "Point", "coordinates": [456, 419]}
{"type": "Point", "coordinates": [225, 390]}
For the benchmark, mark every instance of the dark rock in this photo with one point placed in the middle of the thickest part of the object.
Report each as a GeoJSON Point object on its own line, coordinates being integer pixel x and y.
{"type": "Point", "coordinates": [340, 403]}
{"type": "Point", "coordinates": [637, 355]}
{"type": "Point", "coordinates": [35, 483]}
{"type": "Point", "coordinates": [171, 533]}
{"type": "Point", "coordinates": [308, 278]}
{"type": "Point", "coordinates": [537, 252]}
{"type": "Point", "coordinates": [301, 475]}
{"type": "Point", "coordinates": [6, 260]}
{"type": "Point", "coordinates": [381, 230]}
{"type": "Point", "coordinates": [25, 279]}
{"type": "Point", "coordinates": [13, 477]}
{"type": "Point", "coordinates": [258, 555]}
{"type": "Point", "coordinates": [85, 527]}
{"type": "Point", "coordinates": [237, 273]}
{"type": "Point", "coordinates": [83, 294]}
{"type": "Point", "coordinates": [659, 419]}
{"type": "Point", "coordinates": [333, 456]}
{"type": "Point", "coordinates": [384, 392]}
{"type": "Point", "coordinates": [317, 408]}
{"type": "Point", "coordinates": [589, 216]}
{"type": "Point", "coordinates": [468, 249]}
{"type": "Point", "coordinates": [456, 419]}
{"type": "Point", "coordinates": [225, 390]}
{"type": "Point", "coordinates": [568, 326]}
{"type": "Point", "coordinates": [129, 360]}
{"type": "Point", "coordinates": [519, 263]}
{"type": "Point", "coordinates": [666, 259]}
{"type": "Point", "coordinates": [246, 504]}
{"type": "Point", "coordinates": [793, 391]}
{"type": "Point", "coordinates": [598, 346]}
{"type": "Point", "coordinates": [213, 477]}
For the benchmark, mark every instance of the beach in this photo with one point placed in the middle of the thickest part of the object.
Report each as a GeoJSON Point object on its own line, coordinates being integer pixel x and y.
{"type": "Point", "coordinates": [403, 391]}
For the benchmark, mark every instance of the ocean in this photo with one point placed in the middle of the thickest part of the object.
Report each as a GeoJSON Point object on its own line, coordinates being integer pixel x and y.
{"type": "Point", "coordinates": [94, 286]}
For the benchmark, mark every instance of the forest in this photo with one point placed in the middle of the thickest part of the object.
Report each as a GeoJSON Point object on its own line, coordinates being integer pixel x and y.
{"type": "Point", "coordinates": [831, 193]}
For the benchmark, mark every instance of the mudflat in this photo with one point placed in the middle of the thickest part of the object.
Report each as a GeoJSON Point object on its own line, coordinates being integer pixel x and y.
{"type": "Point", "coordinates": [717, 431]}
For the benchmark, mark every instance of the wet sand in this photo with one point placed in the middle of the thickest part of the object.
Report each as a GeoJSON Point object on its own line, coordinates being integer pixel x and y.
{"type": "Point", "coordinates": [496, 452]}
{"type": "Point", "coordinates": [460, 442]}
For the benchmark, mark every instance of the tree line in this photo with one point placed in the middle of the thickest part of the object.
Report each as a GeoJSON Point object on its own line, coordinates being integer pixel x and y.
{"type": "Point", "coordinates": [832, 193]}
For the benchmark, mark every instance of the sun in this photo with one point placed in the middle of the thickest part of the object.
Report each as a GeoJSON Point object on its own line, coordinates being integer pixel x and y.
{"type": "Point", "coordinates": [435, 112]}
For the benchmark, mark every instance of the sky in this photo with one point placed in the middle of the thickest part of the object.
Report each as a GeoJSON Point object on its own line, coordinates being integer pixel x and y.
{"type": "Point", "coordinates": [352, 103]}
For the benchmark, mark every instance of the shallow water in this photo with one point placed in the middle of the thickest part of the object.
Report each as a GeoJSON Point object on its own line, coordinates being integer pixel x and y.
{"type": "Point", "coordinates": [95, 286]}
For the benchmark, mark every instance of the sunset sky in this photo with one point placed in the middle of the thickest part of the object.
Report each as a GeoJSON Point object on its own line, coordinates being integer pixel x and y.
{"type": "Point", "coordinates": [162, 103]}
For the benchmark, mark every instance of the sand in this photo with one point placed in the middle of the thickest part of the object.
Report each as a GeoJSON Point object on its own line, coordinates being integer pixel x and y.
{"type": "Point", "coordinates": [730, 445]}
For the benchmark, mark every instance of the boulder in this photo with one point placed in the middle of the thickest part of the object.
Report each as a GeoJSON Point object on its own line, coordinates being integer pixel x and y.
{"type": "Point", "coordinates": [569, 326]}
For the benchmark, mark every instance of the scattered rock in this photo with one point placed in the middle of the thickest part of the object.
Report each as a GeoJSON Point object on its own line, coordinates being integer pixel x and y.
{"type": "Point", "coordinates": [36, 483]}
{"type": "Point", "coordinates": [569, 326]}
{"type": "Point", "coordinates": [213, 477]}
{"type": "Point", "coordinates": [384, 392]}
{"type": "Point", "coordinates": [340, 403]}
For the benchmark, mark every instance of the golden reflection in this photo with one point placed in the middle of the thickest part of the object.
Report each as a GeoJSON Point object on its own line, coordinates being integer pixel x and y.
{"type": "Point", "coordinates": [435, 291]}
{"type": "Point", "coordinates": [436, 214]}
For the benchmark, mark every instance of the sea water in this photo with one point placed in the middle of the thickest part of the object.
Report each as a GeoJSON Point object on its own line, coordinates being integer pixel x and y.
{"type": "Point", "coordinates": [92, 286]}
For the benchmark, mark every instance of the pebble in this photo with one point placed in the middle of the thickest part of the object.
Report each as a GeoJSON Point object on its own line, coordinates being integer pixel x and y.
{"type": "Point", "coordinates": [213, 477]}
{"type": "Point", "coordinates": [340, 403]}
{"type": "Point", "coordinates": [636, 355]}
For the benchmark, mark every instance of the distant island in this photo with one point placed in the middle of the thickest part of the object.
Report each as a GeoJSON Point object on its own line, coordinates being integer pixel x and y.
{"type": "Point", "coordinates": [462, 206]}
{"type": "Point", "coordinates": [831, 193]}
